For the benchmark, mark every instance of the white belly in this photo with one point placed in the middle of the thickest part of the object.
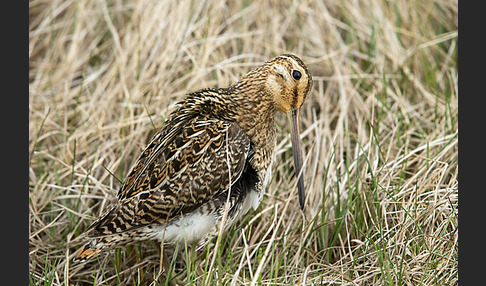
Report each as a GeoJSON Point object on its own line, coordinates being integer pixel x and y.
{"type": "Point", "coordinates": [190, 228]}
{"type": "Point", "coordinates": [197, 226]}
{"type": "Point", "coordinates": [252, 200]}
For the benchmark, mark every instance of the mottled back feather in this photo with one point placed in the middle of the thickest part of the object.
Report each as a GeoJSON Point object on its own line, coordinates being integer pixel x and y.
{"type": "Point", "coordinates": [194, 158]}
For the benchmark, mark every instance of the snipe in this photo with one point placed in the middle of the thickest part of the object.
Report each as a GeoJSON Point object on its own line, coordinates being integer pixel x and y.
{"type": "Point", "coordinates": [215, 149]}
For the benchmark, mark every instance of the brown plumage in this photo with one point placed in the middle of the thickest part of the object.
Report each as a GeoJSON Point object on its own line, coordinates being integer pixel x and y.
{"type": "Point", "coordinates": [216, 147]}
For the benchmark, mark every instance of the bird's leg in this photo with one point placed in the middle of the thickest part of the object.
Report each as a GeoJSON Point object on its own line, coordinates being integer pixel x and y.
{"type": "Point", "coordinates": [177, 279]}
{"type": "Point", "coordinates": [191, 260]}
{"type": "Point", "coordinates": [164, 266]}
{"type": "Point", "coordinates": [196, 254]}
{"type": "Point", "coordinates": [163, 263]}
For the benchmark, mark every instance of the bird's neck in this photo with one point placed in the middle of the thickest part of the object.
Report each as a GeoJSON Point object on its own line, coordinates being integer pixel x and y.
{"type": "Point", "coordinates": [255, 113]}
{"type": "Point", "coordinates": [247, 102]}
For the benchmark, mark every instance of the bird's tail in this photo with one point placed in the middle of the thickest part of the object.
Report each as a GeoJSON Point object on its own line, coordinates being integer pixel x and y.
{"type": "Point", "coordinates": [110, 231]}
{"type": "Point", "coordinates": [89, 250]}
{"type": "Point", "coordinates": [99, 237]}
{"type": "Point", "coordinates": [108, 242]}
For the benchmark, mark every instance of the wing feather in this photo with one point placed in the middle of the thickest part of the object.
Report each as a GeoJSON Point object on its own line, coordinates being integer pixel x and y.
{"type": "Point", "coordinates": [184, 166]}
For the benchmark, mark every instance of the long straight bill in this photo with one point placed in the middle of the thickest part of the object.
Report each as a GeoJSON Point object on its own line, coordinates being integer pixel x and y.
{"type": "Point", "coordinates": [296, 150]}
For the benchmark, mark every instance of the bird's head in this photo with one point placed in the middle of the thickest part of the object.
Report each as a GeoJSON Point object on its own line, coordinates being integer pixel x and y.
{"type": "Point", "coordinates": [282, 83]}
{"type": "Point", "coordinates": [289, 83]}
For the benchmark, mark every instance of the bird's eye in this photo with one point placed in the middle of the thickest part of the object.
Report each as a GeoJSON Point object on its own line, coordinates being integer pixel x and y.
{"type": "Point", "coordinates": [296, 75]}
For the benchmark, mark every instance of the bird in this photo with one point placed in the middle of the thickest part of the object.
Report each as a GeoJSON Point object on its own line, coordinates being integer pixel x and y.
{"type": "Point", "coordinates": [214, 154]}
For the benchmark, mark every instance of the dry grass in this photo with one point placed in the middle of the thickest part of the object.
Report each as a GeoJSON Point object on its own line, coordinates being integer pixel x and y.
{"type": "Point", "coordinates": [379, 128]}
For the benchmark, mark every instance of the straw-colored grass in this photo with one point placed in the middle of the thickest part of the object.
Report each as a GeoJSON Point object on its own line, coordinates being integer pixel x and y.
{"type": "Point", "coordinates": [379, 131]}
